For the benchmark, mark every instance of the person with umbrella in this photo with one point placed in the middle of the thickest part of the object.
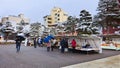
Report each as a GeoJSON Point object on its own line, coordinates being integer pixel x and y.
{"type": "Point", "coordinates": [19, 39]}
{"type": "Point", "coordinates": [18, 43]}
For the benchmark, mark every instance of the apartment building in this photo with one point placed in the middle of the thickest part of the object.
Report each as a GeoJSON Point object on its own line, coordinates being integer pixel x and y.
{"type": "Point", "coordinates": [56, 16]}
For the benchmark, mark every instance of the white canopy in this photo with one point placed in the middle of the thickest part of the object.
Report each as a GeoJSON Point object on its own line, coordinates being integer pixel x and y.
{"type": "Point", "coordinates": [94, 41]}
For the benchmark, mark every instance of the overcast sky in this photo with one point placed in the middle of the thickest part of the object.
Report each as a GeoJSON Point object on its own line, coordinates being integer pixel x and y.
{"type": "Point", "coordinates": [37, 9]}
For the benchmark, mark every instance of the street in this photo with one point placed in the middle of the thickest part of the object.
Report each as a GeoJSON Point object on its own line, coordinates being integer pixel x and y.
{"type": "Point", "coordinates": [31, 57]}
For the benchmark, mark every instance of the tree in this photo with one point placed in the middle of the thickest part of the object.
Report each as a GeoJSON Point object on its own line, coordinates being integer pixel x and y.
{"type": "Point", "coordinates": [35, 29]}
{"type": "Point", "coordinates": [53, 31]}
{"type": "Point", "coordinates": [1, 25]}
{"type": "Point", "coordinates": [60, 28]}
{"type": "Point", "coordinates": [71, 24]}
{"type": "Point", "coordinates": [21, 26]}
{"type": "Point", "coordinates": [86, 26]}
{"type": "Point", "coordinates": [7, 29]}
{"type": "Point", "coordinates": [109, 14]}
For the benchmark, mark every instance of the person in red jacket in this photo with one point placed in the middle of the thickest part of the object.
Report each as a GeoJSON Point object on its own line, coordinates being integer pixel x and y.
{"type": "Point", "coordinates": [73, 42]}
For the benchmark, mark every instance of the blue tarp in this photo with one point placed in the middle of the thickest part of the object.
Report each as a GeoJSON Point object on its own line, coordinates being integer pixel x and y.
{"type": "Point", "coordinates": [50, 37]}
{"type": "Point", "coordinates": [46, 40]}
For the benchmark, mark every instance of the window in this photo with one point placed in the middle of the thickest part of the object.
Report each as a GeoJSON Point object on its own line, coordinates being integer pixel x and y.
{"type": "Point", "coordinates": [55, 14]}
{"type": "Point", "coordinates": [49, 22]}
{"type": "Point", "coordinates": [55, 17]}
{"type": "Point", "coordinates": [49, 18]}
{"type": "Point", "coordinates": [58, 15]}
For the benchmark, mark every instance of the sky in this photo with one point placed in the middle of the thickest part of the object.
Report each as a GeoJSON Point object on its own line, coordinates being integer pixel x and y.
{"type": "Point", "coordinates": [35, 10]}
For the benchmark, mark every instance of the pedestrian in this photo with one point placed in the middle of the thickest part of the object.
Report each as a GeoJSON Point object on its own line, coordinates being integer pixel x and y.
{"type": "Point", "coordinates": [62, 45]}
{"type": "Point", "coordinates": [35, 42]}
{"type": "Point", "coordinates": [39, 42]}
{"type": "Point", "coordinates": [73, 42]}
{"type": "Point", "coordinates": [53, 43]}
{"type": "Point", "coordinates": [47, 42]}
{"type": "Point", "coordinates": [18, 43]}
{"type": "Point", "coordinates": [27, 41]}
{"type": "Point", "coordinates": [48, 45]}
{"type": "Point", "coordinates": [66, 45]}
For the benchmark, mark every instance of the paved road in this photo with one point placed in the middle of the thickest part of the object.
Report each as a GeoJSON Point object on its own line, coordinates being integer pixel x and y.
{"type": "Point", "coordinates": [30, 57]}
{"type": "Point", "coordinates": [109, 62]}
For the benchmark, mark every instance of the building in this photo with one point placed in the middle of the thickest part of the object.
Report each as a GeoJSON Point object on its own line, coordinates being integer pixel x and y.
{"type": "Point", "coordinates": [57, 15]}
{"type": "Point", "coordinates": [112, 30]}
{"type": "Point", "coordinates": [16, 19]}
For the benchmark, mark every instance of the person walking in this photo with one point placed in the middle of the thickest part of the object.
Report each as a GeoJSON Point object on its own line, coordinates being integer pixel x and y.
{"type": "Point", "coordinates": [62, 44]}
{"type": "Point", "coordinates": [66, 45]}
{"type": "Point", "coordinates": [35, 42]}
{"type": "Point", "coordinates": [47, 42]}
{"type": "Point", "coordinates": [73, 42]}
{"type": "Point", "coordinates": [48, 45]}
{"type": "Point", "coordinates": [39, 41]}
{"type": "Point", "coordinates": [18, 43]}
{"type": "Point", "coordinates": [53, 43]}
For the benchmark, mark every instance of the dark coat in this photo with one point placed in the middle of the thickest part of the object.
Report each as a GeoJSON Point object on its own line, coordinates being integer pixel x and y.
{"type": "Point", "coordinates": [66, 44]}
{"type": "Point", "coordinates": [18, 40]}
{"type": "Point", "coordinates": [63, 43]}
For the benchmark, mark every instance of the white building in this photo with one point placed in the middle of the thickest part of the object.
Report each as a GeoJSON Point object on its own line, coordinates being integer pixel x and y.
{"type": "Point", "coordinates": [17, 21]}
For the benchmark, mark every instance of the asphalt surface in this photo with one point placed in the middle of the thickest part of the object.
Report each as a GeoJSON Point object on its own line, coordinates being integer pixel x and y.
{"type": "Point", "coordinates": [109, 62]}
{"type": "Point", "coordinates": [31, 57]}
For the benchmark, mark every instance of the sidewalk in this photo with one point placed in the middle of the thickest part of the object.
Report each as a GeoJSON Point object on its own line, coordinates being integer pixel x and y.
{"type": "Point", "coordinates": [110, 62]}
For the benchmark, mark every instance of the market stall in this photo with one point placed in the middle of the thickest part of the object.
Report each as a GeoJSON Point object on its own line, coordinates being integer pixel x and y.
{"type": "Point", "coordinates": [94, 42]}
{"type": "Point", "coordinates": [111, 42]}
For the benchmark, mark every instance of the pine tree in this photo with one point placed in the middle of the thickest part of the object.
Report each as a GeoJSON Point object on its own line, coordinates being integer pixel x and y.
{"type": "Point", "coordinates": [86, 26]}
{"type": "Point", "coordinates": [109, 14]}
{"type": "Point", "coordinates": [71, 24]}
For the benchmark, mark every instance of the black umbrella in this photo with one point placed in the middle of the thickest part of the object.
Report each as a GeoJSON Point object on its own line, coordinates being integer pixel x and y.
{"type": "Point", "coordinates": [22, 38]}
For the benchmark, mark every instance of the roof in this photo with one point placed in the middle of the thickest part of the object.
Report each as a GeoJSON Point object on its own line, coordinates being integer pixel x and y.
{"type": "Point", "coordinates": [111, 35]}
{"type": "Point", "coordinates": [83, 37]}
